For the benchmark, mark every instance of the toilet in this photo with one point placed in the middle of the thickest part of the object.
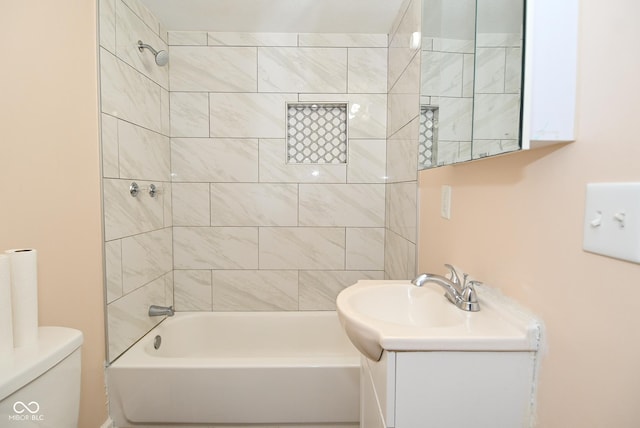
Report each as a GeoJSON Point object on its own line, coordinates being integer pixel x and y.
{"type": "Point", "coordinates": [40, 384]}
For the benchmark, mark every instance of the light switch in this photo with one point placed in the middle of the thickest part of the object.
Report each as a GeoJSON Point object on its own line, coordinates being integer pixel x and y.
{"type": "Point", "coordinates": [612, 220]}
{"type": "Point", "coordinates": [445, 202]}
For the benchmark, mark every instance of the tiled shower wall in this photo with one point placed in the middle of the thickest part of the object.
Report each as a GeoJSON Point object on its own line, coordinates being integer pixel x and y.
{"type": "Point", "coordinates": [252, 232]}
{"type": "Point", "coordinates": [135, 147]}
{"type": "Point", "coordinates": [402, 145]}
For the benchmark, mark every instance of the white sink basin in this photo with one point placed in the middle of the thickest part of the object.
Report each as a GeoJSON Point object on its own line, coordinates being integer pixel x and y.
{"type": "Point", "coordinates": [398, 316]}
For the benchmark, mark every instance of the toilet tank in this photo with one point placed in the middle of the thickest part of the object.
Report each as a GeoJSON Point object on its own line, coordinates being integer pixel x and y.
{"type": "Point", "coordinates": [40, 384]}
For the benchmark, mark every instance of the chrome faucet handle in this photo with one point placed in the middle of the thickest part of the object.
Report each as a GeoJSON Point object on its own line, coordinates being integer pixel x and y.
{"type": "Point", "coordinates": [469, 298]}
{"type": "Point", "coordinates": [453, 274]}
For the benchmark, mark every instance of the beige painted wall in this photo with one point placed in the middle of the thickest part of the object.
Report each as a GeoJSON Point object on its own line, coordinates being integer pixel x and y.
{"type": "Point", "coordinates": [517, 224]}
{"type": "Point", "coordinates": [49, 169]}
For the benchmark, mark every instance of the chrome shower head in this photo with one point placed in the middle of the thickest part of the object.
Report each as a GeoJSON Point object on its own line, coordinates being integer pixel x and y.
{"type": "Point", "coordinates": [161, 57]}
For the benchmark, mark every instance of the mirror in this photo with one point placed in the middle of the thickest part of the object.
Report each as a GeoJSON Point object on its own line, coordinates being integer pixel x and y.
{"type": "Point", "coordinates": [471, 80]}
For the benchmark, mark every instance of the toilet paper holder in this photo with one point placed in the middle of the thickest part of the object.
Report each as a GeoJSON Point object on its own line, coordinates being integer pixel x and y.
{"type": "Point", "coordinates": [135, 189]}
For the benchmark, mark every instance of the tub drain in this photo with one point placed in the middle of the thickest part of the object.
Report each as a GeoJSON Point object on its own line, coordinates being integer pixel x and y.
{"type": "Point", "coordinates": [157, 341]}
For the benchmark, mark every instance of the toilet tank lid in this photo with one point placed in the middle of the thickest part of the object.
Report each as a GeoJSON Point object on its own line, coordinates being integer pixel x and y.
{"type": "Point", "coordinates": [29, 362]}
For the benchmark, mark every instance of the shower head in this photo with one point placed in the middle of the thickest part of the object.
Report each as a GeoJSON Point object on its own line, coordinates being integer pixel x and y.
{"type": "Point", "coordinates": [162, 57]}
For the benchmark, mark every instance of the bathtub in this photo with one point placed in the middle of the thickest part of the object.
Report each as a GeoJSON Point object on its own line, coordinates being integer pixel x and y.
{"type": "Point", "coordinates": [238, 367]}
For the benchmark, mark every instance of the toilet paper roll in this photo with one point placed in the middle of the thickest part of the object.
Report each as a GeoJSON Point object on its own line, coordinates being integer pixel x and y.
{"type": "Point", "coordinates": [24, 296]}
{"type": "Point", "coordinates": [6, 324]}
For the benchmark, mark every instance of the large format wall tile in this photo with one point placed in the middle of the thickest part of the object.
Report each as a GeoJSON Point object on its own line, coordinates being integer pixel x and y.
{"type": "Point", "coordinates": [365, 248]}
{"type": "Point", "coordinates": [214, 160]}
{"type": "Point", "coordinates": [107, 22]}
{"type": "Point", "coordinates": [143, 154]}
{"type": "Point", "coordinates": [490, 70]}
{"type": "Point", "coordinates": [273, 167]}
{"type": "Point", "coordinates": [127, 94]}
{"type": "Point", "coordinates": [496, 116]}
{"type": "Point", "coordinates": [191, 206]}
{"type": "Point", "coordinates": [402, 153]}
{"type": "Point", "coordinates": [255, 290]}
{"type": "Point", "coordinates": [399, 257]}
{"type": "Point", "coordinates": [403, 209]}
{"type": "Point", "coordinates": [404, 97]}
{"type": "Point", "coordinates": [187, 38]}
{"type": "Point", "coordinates": [302, 70]}
{"type": "Point", "coordinates": [252, 39]}
{"type": "Point", "coordinates": [193, 291]}
{"type": "Point", "coordinates": [400, 50]}
{"type": "Point", "coordinates": [343, 40]}
{"type": "Point", "coordinates": [146, 257]}
{"type": "Point", "coordinates": [113, 269]}
{"type": "Point", "coordinates": [215, 247]}
{"type": "Point", "coordinates": [129, 29]}
{"type": "Point", "coordinates": [215, 69]}
{"type": "Point", "coordinates": [319, 289]}
{"type": "Point", "coordinates": [189, 114]}
{"type": "Point", "coordinates": [128, 317]}
{"type": "Point", "coordinates": [125, 215]}
{"type": "Point", "coordinates": [367, 70]}
{"type": "Point", "coordinates": [245, 204]}
{"type": "Point", "coordinates": [355, 205]}
{"type": "Point", "coordinates": [109, 142]}
{"type": "Point", "coordinates": [249, 115]}
{"type": "Point", "coordinates": [367, 160]}
{"type": "Point", "coordinates": [147, 17]}
{"type": "Point", "coordinates": [302, 248]}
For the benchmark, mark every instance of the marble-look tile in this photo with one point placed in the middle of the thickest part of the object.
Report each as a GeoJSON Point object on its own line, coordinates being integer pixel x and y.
{"type": "Point", "coordinates": [403, 209]}
{"type": "Point", "coordinates": [191, 204]}
{"type": "Point", "coordinates": [365, 248]}
{"type": "Point", "coordinates": [302, 248]}
{"type": "Point", "coordinates": [129, 30]}
{"type": "Point", "coordinates": [468, 75]}
{"type": "Point", "coordinates": [274, 168]}
{"type": "Point", "coordinates": [113, 269]}
{"type": "Point", "coordinates": [255, 290]}
{"type": "Point", "coordinates": [107, 22]}
{"type": "Point", "coordinates": [400, 50]}
{"type": "Point", "coordinates": [319, 289]}
{"type": "Point", "coordinates": [127, 94]}
{"type": "Point", "coordinates": [285, 69]}
{"type": "Point", "coordinates": [351, 40]}
{"type": "Point", "coordinates": [453, 45]}
{"type": "Point", "coordinates": [455, 117]}
{"type": "Point", "coordinates": [496, 116]}
{"type": "Point", "coordinates": [399, 257]}
{"type": "Point", "coordinates": [367, 112]}
{"type": "Point", "coordinates": [464, 151]}
{"type": "Point", "coordinates": [189, 114]}
{"type": "Point", "coordinates": [168, 289]}
{"type": "Point", "coordinates": [125, 215]}
{"type": "Point", "coordinates": [211, 160]}
{"type": "Point", "coordinates": [252, 39]}
{"type": "Point", "coordinates": [342, 205]}
{"type": "Point", "coordinates": [367, 70]}
{"type": "Point", "coordinates": [143, 154]}
{"type": "Point", "coordinates": [490, 70]}
{"type": "Point", "coordinates": [145, 257]}
{"type": "Point", "coordinates": [404, 98]}
{"type": "Point", "coordinates": [249, 115]}
{"type": "Point", "coordinates": [165, 118]}
{"type": "Point", "coordinates": [249, 204]}
{"type": "Point", "coordinates": [109, 142]}
{"type": "Point", "coordinates": [192, 66]}
{"type": "Point", "coordinates": [402, 153]}
{"type": "Point", "coordinates": [448, 152]}
{"type": "Point", "coordinates": [187, 38]}
{"type": "Point", "coordinates": [367, 160]}
{"type": "Point", "coordinates": [484, 148]}
{"type": "Point", "coordinates": [513, 71]}
{"type": "Point", "coordinates": [163, 33]}
{"type": "Point", "coordinates": [193, 291]}
{"type": "Point", "coordinates": [215, 247]}
{"type": "Point", "coordinates": [487, 40]}
{"type": "Point", "coordinates": [141, 10]}
{"type": "Point", "coordinates": [167, 205]}
{"type": "Point", "coordinates": [398, 18]}
{"type": "Point", "coordinates": [442, 74]}
{"type": "Point", "coordinates": [128, 317]}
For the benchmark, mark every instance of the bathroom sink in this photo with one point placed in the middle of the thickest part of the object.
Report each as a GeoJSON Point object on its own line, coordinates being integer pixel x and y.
{"type": "Point", "coordinates": [398, 316]}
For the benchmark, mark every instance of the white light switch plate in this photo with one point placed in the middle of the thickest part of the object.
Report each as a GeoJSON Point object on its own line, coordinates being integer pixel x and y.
{"type": "Point", "coordinates": [612, 220]}
{"type": "Point", "coordinates": [445, 202]}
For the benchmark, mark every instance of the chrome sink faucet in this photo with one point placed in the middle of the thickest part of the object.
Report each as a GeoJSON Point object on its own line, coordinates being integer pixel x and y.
{"type": "Point", "coordinates": [158, 311]}
{"type": "Point", "coordinates": [460, 293]}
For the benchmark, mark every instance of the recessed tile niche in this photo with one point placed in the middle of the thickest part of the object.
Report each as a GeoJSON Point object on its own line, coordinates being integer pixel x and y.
{"type": "Point", "coordinates": [317, 133]}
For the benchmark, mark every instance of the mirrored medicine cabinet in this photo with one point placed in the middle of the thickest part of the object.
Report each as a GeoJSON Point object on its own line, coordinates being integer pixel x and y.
{"type": "Point", "coordinates": [496, 76]}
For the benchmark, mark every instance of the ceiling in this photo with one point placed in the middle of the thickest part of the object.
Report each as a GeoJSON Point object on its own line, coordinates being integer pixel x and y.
{"type": "Point", "coordinates": [277, 16]}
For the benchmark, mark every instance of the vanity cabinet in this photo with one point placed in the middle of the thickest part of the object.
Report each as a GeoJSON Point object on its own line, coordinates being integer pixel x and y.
{"type": "Point", "coordinates": [448, 389]}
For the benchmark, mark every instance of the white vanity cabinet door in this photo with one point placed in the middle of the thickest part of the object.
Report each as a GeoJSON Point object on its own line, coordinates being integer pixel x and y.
{"type": "Point", "coordinates": [464, 389]}
{"type": "Point", "coordinates": [370, 412]}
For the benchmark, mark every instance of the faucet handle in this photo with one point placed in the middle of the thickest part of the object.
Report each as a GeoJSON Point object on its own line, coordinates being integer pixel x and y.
{"type": "Point", "coordinates": [453, 274]}
{"type": "Point", "coordinates": [469, 296]}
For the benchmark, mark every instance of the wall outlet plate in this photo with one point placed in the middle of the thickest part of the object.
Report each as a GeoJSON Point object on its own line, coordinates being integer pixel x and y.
{"type": "Point", "coordinates": [612, 220]}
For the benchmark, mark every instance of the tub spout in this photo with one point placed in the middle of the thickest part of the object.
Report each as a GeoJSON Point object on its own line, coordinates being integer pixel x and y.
{"type": "Point", "coordinates": [158, 311]}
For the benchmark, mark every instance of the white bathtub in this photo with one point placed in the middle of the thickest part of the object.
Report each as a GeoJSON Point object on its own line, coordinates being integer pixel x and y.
{"type": "Point", "coordinates": [238, 367]}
